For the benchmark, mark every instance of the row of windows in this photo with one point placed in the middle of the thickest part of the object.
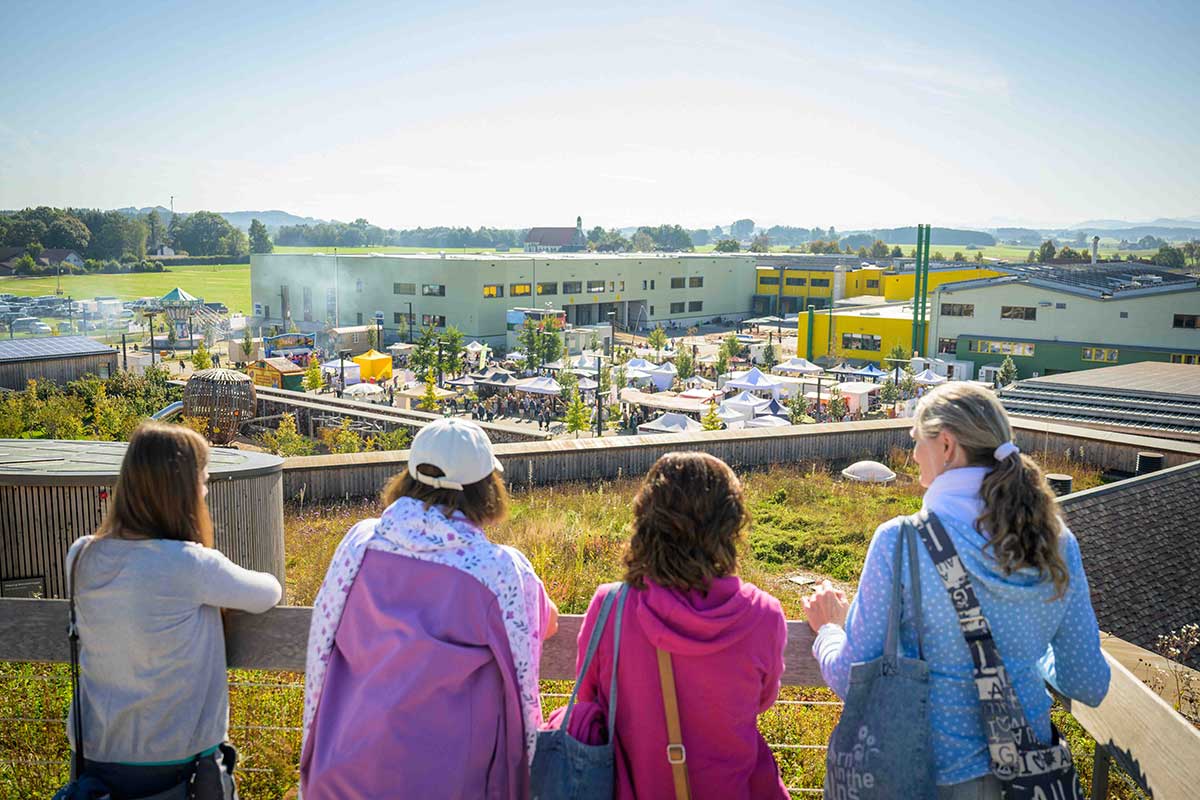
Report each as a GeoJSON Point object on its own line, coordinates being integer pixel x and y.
{"type": "Point", "coordinates": [491, 290]}
{"type": "Point", "coordinates": [988, 346]}
{"type": "Point", "coordinates": [694, 282]}
{"type": "Point", "coordinates": [427, 289]}
{"type": "Point", "coordinates": [1191, 321]}
{"type": "Point", "coordinates": [1185, 358]}
{"type": "Point", "coordinates": [692, 306]}
{"type": "Point", "coordinates": [861, 341]}
{"type": "Point", "coordinates": [819, 282]}
{"type": "Point", "coordinates": [947, 345]}
{"type": "Point", "coordinates": [1103, 354]}
{"type": "Point", "coordinates": [1028, 313]}
{"type": "Point", "coordinates": [958, 309]}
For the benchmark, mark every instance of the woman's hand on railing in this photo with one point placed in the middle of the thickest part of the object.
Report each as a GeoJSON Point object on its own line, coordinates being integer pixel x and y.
{"type": "Point", "coordinates": [826, 604]}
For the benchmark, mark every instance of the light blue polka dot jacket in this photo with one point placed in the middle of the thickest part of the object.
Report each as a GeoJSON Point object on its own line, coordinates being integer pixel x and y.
{"type": "Point", "coordinates": [1040, 640]}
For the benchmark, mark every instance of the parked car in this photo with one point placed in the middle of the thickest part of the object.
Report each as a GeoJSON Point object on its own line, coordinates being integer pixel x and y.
{"type": "Point", "coordinates": [40, 328]}
{"type": "Point", "coordinates": [24, 324]}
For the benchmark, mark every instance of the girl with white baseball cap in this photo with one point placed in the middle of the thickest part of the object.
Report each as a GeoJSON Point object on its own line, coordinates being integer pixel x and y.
{"type": "Point", "coordinates": [422, 673]}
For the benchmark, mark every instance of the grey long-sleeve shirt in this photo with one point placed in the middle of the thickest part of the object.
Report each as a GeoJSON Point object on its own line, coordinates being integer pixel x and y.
{"type": "Point", "coordinates": [152, 650]}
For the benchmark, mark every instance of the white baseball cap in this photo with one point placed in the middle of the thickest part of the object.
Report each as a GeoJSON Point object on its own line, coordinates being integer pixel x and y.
{"type": "Point", "coordinates": [458, 447]}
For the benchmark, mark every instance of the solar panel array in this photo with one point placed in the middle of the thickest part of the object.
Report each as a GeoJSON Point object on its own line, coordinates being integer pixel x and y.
{"type": "Point", "coordinates": [1105, 279]}
{"type": "Point", "coordinates": [50, 347]}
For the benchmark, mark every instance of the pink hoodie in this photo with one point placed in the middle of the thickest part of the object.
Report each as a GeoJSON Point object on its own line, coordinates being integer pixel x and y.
{"type": "Point", "coordinates": [727, 651]}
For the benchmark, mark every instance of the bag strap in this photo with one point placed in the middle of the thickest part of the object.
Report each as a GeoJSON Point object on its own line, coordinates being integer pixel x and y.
{"type": "Point", "coordinates": [612, 686]}
{"type": "Point", "coordinates": [73, 638]}
{"type": "Point", "coordinates": [1009, 735]}
{"type": "Point", "coordinates": [593, 643]}
{"type": "Point", "coordinates": [676, 752]}
{"type": "Point", "coordinates": [892, 641]}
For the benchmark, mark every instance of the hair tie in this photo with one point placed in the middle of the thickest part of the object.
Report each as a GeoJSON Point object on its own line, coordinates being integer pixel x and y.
{"type": "Point", "coordinates": [1004, 451]}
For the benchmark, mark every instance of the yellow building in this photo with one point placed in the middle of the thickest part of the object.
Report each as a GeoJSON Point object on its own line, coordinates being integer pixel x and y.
{"type": "Point", "coordinates": [862, 333]}
{"type": "Point", "coordinates": [798, 287]}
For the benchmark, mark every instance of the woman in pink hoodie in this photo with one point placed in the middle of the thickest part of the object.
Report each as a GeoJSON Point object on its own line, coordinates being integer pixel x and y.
{"type": "Point", "coordinates": [725, 638]}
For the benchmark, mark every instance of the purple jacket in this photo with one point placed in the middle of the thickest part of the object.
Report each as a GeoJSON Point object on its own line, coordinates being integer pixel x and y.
{"type": "Point", "coordinates": [421, 696]}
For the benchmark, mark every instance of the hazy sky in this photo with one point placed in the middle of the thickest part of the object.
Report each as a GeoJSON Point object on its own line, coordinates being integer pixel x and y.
{"type": "Point", "coordinates": [410, 113]}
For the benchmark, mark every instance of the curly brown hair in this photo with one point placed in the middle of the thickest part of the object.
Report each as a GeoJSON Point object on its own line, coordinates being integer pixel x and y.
{"type": "Point", "coordinates": [688, 519]}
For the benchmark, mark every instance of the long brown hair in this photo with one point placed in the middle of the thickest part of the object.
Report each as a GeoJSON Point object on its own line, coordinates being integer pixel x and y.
{"type": "Point", "coordinates": [1020, 515]}
{"type": "Point", "coordinates": [688, 518]}
{"type": "Point", "coordinates": [158, 494]}
{"type": "Point", "coordinates": [484, 502]}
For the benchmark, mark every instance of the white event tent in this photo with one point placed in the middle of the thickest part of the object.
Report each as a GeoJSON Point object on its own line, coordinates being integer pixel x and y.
{"type": "Point", "coordinates": [670, 422]}
{"type": "Point", "coordinates": [797, 366]}
{"type": "Point", "coordinates": [543, 385]}
{"type": "Point", "coordinates": [929, 378]}
{"type": "Point", "coordinates": [352, 374]}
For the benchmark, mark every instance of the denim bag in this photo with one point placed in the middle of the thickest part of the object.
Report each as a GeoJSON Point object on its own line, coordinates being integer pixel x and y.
{"type": "Point", "coordinates": [565, 768]}
{"type": "Point", "coordinates": [881, 747]}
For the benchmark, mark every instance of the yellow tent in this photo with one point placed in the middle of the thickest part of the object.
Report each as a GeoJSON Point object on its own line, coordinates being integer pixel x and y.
{"type": "Point", "coordinates": [374, 365]}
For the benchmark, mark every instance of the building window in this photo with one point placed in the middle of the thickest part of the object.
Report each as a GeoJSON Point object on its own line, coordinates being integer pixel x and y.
{"type": "Point", "coordinates": [433, 289]}
{"type": "Point", "coordinates": [548, 288]}
{"type": "Point", "coordinates": [330, 302]}
{"type": "Point", "coordinates": [358, 318]}
{"type": "Point", "coordinates": [404, 288]}
{"type": "Point", "coordinates": [1124, 315]}
{"type": "Point", "coordinates": [861, 341]}
{"type": "Point", "coordinates": [696, 305]}
{"type": "Point", "coordinates": [872, 284]}
{"type": "Point", "coordinates": [1185, 358]}
{"type": "Point", "coordinates": [990, 347]}
{"type": "Point", "coordinates": [354, 336]}
{"type": "Point", "coordinates": [1028, 313]}
{"type": "Point", "coordinates": [1105, 354]}
{"type": "Point", "coordinates": [677, 283]}
{"type": "Point", "coordinates": [612, 286]}
{"type": "Point", "coordinates": [652, 311]}
{"type": "Point", "coordinates": [796, 281]}
{"type": "Point", "coordinates": [947, 345]}
{"type": "Point", "coordinates": [572, 287]}
{"type": "Point", "coordinates": [1060, 306]}
{"type": "Point", "coordinates": [768, 281]}
{"type": "Point", "coordinates": [822, 282]}
{"type": "Point", "coordinates": [620, 286]}
{"type": "Point", "coordinates": [400, 318]}
{"type": "Point", "coordinates": [645, 285]}
{"type": "Point", "coordinates": [696, 282]}
{"type": "Point", "coordinates": [493, 290]}
{"type": "Point", "coordinates": [358, 285]}
{"type": "Point", "coordinates": [595, 287]}
{"type": "Point", "coordinates": [520, 289]}
{"type": "Point", "coordinates": [651, 284]}
{"type": "Point", "coordinates": [1190, 321]}
{"type": "Point", "coordinates": [433, 320]}
{"type": "Point", "coordinates": [676, 308]}
{"type": "Point", "coordinates": [958, 309]}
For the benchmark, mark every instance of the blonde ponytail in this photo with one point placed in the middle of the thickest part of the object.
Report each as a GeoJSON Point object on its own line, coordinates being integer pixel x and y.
{"type": "Point", "coordinates": [1020, 516]}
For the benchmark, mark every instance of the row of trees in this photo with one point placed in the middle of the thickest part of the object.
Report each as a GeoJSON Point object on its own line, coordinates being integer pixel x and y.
{"type": "Point", "coordinates": [88, 408]}
{"type": "Point", "coordinates": [361, 233]}
{"type": "Point", "coordinates": [1168, 256]}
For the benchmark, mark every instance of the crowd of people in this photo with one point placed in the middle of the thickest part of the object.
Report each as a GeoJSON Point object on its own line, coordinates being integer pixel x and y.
{"type": "Point", "coordinates": [426, 637]}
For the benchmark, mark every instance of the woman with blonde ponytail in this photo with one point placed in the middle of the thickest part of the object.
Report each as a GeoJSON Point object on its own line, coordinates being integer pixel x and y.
{"type": "Point", "coordinates": [1023, 563]}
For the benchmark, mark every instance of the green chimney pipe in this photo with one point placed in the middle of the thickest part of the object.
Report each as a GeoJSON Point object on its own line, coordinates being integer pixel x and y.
{"type": "Point", "coordinates": [811, 320]}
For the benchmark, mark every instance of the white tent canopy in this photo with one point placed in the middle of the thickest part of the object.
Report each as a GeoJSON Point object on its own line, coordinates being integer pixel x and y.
{"type": "Point", "coordinates": [352, 374]}
{"type": "Point", "coordinates": [664, 376]}
{"type": "Point", "coordinates": [755, 380]}
{"type": "Point", "coordinates": [364, 391]}
{"type": "Point", "coordinates": [543, 385]}
{"type": "Point", "coordinates": [797, 366]}
{"type": "Point", "coordinates": [767, 422]}
{"type": "Point", "coordinates": [587, 385]}
{"type": "Point", "coordinates": [474, 347]}
{"type": "Point", "coordinates": [870, 371]}
{"type": "Point", "coordinates": [929, 378]}
{"type": "Point", "coordinates": [670, 422]}
{"type": "Point", "coordinates": [642, 364]}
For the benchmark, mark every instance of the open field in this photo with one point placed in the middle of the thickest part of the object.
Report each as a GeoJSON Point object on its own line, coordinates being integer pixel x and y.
{"type": "Point", "coordinates": [1006, 252]}
{"type": "Point", "coordinates": [345, 251]}
{"type": "Point", "coordinates": [223, 283]}
{"type": "Point", "coordinates": [806, 523]}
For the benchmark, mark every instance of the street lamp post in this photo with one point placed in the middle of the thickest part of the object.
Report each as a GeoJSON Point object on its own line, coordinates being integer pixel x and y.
{"type": "Point", "coordinates": [896, 381]}
{"type": "Point", "coordinates": [599, 370]}
{"type": "Point", "coordinates": [342, 363]}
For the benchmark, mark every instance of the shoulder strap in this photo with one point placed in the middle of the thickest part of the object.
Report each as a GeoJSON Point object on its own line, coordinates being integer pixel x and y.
{"type": "Point", "coordinates": [73, 638]}
{"type": "Point", "coordinates": [1008, 732]}
{"type": "Point", "coordinates": [676, 753]}
{"type": "Point", "coordinates": [612, 686]}
{"type": "Point", "coordinates": [593, 643]}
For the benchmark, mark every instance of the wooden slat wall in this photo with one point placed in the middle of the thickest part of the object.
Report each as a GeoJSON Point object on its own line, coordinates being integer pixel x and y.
{"type": "Point", "coordinates": [39, 523]}
{"type": "Point", "coordinates": [1151, 742]}
{"type": "Point", "coordinates": [16, 374]}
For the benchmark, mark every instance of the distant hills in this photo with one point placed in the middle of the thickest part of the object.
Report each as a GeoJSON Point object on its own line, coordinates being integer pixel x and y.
{"type": "Point", "coordinates": [239, 219]}
{"type": "Point", "coordinates": [1162, 222]}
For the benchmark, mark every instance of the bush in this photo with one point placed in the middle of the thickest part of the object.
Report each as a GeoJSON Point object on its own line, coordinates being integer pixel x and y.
{"type": "Point", "coordinates": [195, 261]}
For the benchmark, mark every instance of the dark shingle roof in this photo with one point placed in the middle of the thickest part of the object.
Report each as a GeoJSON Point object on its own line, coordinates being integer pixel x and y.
{"type": "Point", "coordinates": [551, 237]}
{"type": "Point", "coordinates": [1140, 540]}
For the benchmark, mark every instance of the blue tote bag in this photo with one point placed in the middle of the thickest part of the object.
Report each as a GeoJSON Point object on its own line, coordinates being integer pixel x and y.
{"type": "Point", "coordinates": [881, 747]}
{"type": "Point", "coordinates": [565, 768]}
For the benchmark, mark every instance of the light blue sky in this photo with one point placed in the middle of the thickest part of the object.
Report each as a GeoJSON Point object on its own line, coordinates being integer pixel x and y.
{"type": "Point", "coordinates": [444, 113]}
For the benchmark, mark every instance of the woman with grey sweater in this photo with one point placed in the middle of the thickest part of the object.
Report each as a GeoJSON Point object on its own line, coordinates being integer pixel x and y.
{"type": "Point", "coordinates": [148, 592]}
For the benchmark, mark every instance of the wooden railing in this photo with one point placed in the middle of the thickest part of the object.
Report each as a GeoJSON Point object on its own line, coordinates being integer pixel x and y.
{"type": "Point", "coordinates": [1134, 727]}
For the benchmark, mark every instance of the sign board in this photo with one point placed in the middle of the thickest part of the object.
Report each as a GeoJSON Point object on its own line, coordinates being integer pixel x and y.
{"type": "Point", "coordinates": [275, 345]}
{"type": "Point", "coordinates": [264, 376]}
{"type": "Point", "coordinates": [29, 588]}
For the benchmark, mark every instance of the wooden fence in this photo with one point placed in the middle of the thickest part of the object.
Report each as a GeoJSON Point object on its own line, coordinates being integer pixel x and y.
{"type": "Point", "coordinates": [315, 478]}
{"type": "Point", "coordinates": [1132, 726]}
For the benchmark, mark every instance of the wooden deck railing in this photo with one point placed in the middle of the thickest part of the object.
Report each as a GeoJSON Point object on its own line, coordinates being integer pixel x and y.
{"type": "Point", "coordinates": [1133, 726]}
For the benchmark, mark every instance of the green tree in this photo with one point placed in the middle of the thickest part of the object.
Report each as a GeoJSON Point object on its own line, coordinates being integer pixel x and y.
{"type": "Point", "coordinates": [314, 379]}
{"type": "Point", "coordinates": [897, 252]}
{"type": "Point", "coordinates": [861, 252]}
{"type": "Point", "coordinates": [978, 256]}
{"type": "Point", "coordinates": [1008, 371]}
{"type": "Point", "coordinates": [684, 364]}
{"type": "Point", "coordinates": [286, 441]}
{"type": "Point", "coordinates": [172, 337]}
{"type": "Point", "coordinates": [1032, 257]}
{"type": "Point", "coordinates": [897, 353]}
{"type": "Point", "coordinates": [837, 404]}
{"type": "Point", "coordinates": [429, 400]}
{"type": "Point", "coordinates": [260, 240]}
{"type": "Point", "coordinates": [761, 244]}
{"type": "Point", "coordinates": [569, 382]}
{"type": "Point", "coordinates": [395, 439]}
{"type": "Point", "coordinates": [769, 359]}
{"type": "Point", "coordinates": [878, 249]}
{"type": "Point", "coordinates": [577, 414]}
{"type": "Point", "coordinates": [201, 359]}
{"type": "Point", "coordinates": [908, 381]}
{"type": "Point", "coordinates": [798, 409]}
{"type": "Point", "coordinates": [889, 393]}
{"type": "Point", "coordinates": [452, 351]}
{"type": "Point", "coordinates": [372, 337]}
{"type": "Point", "coordinates": [60, 416]}
{"type": "Point", "coordinates": [424, 355]}
{"type": "Point", "coordinates": [156, 234]}
{"type": "Point", "coordinates": [551, 341]}
{"type": "Point", "coordinates": [1045, 253]}
{"type": "Point", "coordinates": [938, 256]}
{"type": "Point", "coordinates": [958, 256]}
{"type": "Point", "coordinates": [341, 439]}
{"type": "Point", "coordinates": [732, 347]}
{"type": "Point", "coordinates": [658, 340]}
{"type": "Point", "coordinates": [613, 422]}
{"type": "Point", "coordinates": [593, 342]}
{"type": "Point", "coordinates": [642, 243]}
{"type": "Point", "coordinates": [204, 233]}
{"type": "Point", "coordinates": [247, 344]}
{"type": "Point", "coordinates": [529, 339]}
{"type": "Point", "coordinates": [722, 364]}
{"type": "Point", "coordinates": [727, 246]}
{"type": "Point", "coordinates": [1169, 257]}
{"type": "Point", "coordinates": [710, 421]}
{"type": "Point", "coordinates": [620, 377]}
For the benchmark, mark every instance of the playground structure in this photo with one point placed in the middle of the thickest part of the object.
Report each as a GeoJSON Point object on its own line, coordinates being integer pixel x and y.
{"type": "Point", "coordinates": [224, 397]}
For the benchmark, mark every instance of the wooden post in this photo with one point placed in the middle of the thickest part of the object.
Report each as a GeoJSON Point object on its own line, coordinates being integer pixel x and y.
{"type": "Point", "coordinates": [1100, 762]}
